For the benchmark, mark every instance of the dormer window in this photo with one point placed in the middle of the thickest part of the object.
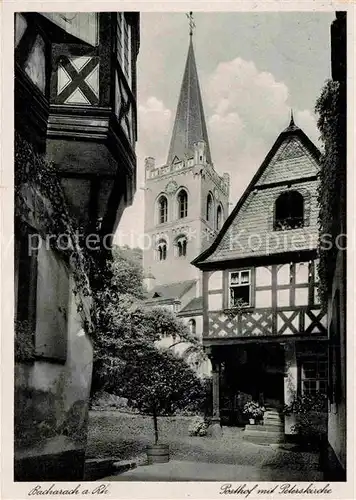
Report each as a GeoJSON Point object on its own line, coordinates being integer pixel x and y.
{"type": "Point", "coordinates": [289, 211]}
{"type": "Point", "coordinates": [182, 204]}
{"type": "Point", "coordinates": [162, 210]}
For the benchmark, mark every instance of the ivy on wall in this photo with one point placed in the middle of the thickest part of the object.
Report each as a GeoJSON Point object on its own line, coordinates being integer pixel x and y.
{"type": "Point", "coordinates": [40, 203]}
{"type": "Point", "coordinates": [331, 108]}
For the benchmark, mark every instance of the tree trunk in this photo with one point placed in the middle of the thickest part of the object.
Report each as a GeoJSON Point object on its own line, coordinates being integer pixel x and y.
{"type": "Point", "coordinates": [155, 423]}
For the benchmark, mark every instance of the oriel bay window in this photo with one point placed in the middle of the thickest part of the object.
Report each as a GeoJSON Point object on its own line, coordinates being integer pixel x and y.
{"type": "Point", "coordinates": [123, 44]}
{"type": "Point", "coordinates": [240, 288]}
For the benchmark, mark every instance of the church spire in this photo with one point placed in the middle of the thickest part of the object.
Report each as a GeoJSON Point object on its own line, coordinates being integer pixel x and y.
{"type": "Point", "coordinates": [189, 125]}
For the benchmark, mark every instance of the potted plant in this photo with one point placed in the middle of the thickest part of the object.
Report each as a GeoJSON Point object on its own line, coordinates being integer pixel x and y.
{"type": "Point", "coordinates": [158, 383]}
{"type": "Point", "coordinates": [254, 412]}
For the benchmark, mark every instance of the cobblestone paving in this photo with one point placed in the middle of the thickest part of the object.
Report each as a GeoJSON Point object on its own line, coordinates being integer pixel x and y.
{"type": "Point", "coordinates": [126, 436]}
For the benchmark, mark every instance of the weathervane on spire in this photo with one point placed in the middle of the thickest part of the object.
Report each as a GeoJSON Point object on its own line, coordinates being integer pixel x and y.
{"type": "Point", "coordinates": [191, 23]}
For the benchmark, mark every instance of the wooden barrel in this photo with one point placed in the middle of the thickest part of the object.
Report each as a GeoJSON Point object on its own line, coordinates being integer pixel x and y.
{"type": "Point", "coordinates": [158, 453]}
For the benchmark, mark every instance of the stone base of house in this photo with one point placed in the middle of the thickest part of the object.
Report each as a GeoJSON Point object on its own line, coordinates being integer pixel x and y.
{"type": "Point", "coordinates": [215, 430]}
{"type": "Point", "coordinates": [63, 466]}
{"type": "Point", "coordinates": [330, 464]}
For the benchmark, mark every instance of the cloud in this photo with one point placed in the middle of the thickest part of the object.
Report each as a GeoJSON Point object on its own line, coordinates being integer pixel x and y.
{"type": "Point", "coordinates": [154, 124]}
{"type": "Point", "coordinates": [246, 109]}
{"type": "Point", "coordinates": [154, 127]}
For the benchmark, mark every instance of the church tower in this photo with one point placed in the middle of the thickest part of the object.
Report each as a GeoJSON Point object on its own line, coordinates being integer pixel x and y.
{"type": "Point", "coordinates": [186, 201]}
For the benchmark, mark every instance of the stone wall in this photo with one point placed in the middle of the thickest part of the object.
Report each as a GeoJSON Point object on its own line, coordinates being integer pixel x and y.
{"type": "Point", "coordinates": [51, 405]}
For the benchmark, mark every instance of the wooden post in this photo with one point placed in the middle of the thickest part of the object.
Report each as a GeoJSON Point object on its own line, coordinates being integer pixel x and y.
{"type": "Point", "coordinates": [216, 389]}
{"type": "Point", "coordinates": [216, 429]}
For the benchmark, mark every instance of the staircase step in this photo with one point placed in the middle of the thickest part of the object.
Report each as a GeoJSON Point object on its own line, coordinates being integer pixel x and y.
{"type": "Point", "coordinates": [265, 427]}
{"type": "Point", "coordinates": [256, 431]}
{"type": "Point", "coordinates": [259, 436]}
{"type": "Point", "coordinates": [274, 428]}
{"type": "Point", "coordinates": [273, 420]}
{"type": "Point", "coordinates": [265, 439]}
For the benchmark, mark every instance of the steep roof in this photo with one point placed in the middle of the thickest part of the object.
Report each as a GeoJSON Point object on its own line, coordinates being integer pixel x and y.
{"type": "Point", "coordinates": [292, 158]}
{"type": "Point", "coordinates": [171, 291]}
{"type": "Point", "coordinates": [195, 304]}
{"type": "Point", "coordinates": [189, 125]}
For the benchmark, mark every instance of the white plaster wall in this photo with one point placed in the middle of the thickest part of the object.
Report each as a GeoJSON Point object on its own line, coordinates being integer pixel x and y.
{"type": "Point", "coordinates": [263, 298]}
{"type": "Point", "coordinates": [302, 273]}
{"type": "Point", "coordinates": [69, 383]}
{"type": "Point", "coordinates": [283, 298]}
{"type": "Point", "coordinates": [215, 302]}
{"type": "Point", "coordinates": [263, 276]}
{"type": "Point", "coordinates": [216, 281]}
{"type": "Point", "coordinates": [301, 296]}
{"type": "Point", "coordinates": [283, 275]}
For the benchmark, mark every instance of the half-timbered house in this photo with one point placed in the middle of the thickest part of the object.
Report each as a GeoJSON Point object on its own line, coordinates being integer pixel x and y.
{"type": "Point", "coordinates": [75, 172]}
{"type": "Point", "coordinates": [262, 323]}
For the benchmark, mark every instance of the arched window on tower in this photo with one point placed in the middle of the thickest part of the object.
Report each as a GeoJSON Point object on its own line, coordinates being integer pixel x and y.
{"type": "Point", "coordinates": [162, 250]}
{"type": "Point", "coordinates": [192, 326]}
{"type": "Point", "coordinates": [182, 204]}
{"type": "Point", "coordinates": [219, 218]}
{"type": "Point", "coordinates": [209, 208]}
{"type": "Point", "coordinates": [162, 209]}
{"type": "Point", "coordinates": [181, 246]}
{"type": "Point", "coordinates": [289, 211]}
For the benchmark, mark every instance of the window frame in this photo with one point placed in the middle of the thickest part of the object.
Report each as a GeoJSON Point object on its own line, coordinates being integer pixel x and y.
{"type": "Point", "coordinates": [209, 209]}
{"type": "Point", "coordinates": [250, 284]}
{"type": "Point", "coordinates": [161, 210]}
{"type": "Point", "coordinates": [181, 250]}
{"type": "Point", "coordinates": [317, 379]}
{"type": "Point", "coordinates": [124, 45]}
{"type": "Point", "coordinates": [161, 250]}
{"type": "Point", "coordinates": [220, 223]}
{"type": "Point", "coordinates": [288, 220]}
{"type": "Point", "coordinates": [182, 203]}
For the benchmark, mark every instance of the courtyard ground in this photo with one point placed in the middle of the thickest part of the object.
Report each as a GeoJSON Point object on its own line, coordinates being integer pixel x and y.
{"type": "Point", "coordinates": [230, 457]}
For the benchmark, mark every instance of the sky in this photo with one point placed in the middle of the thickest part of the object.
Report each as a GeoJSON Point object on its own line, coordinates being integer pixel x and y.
{"type": "Point", "coordinates": [253, 69]}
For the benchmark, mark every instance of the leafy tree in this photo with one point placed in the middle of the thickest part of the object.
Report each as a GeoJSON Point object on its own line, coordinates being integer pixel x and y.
{"type": "Point", "coordinates": [160, 383]}
{"type": "Point", "coordinates": [331, 110]}
{"type": "Point", "coordinates": [126, 327]}
{"type": "Point", "coordinates": [127, 271]}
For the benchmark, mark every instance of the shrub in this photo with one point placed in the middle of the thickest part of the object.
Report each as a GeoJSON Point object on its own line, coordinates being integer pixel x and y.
{"type": "Point", "coordinates": [311, 416]}
{"type": "Point", "coordinates": [198, 427]}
